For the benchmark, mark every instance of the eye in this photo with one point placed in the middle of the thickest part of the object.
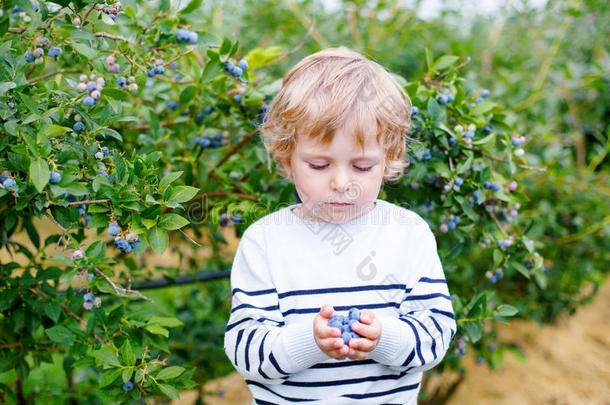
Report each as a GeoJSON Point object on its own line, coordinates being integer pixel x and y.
{"type": "Point", "coordinates": [363, 169]}
{"type": "Point", "coordinates": [317, 167]}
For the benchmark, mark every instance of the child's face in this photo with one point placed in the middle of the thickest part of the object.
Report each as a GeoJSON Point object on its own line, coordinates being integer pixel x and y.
{"type": "Point", "coordinates": [338, 176]}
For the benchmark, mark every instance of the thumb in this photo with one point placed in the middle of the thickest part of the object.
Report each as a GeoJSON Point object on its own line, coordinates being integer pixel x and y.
{"type": "Point", "coordinates": [326, 311]}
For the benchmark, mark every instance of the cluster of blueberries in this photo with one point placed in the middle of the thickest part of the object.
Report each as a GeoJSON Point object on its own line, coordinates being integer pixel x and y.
{"type": "Point", "coordinates": [451, 224]}
{"type": "Point", "coordinates": [505, 243]}
{"type": "Point", "coordinates": [112, 10]}
{"type": "Point", "coordinates": [91, 301]}
{"type": "Point", "coordinates": [494, 276]}
{"type": "Point", "coordinates": [492, 186]}
{"type": "Point", "coordinates": [201, 114]}
{"type": "Point", "coordinates": [517, 140]}
{"type": "Point", "coordinates": [345, 324]}
{"type": "Point", "coordinates": [183, 35]}
{"type": "Point", "coordinates": [93, 85]}
{"type": "Point", "coordinates": [209, 141]}
{"type": "Point", "coordinates": [224, 219]}
{"type": "Point", "coordinates": [460, 347]}
{"type": "Point", "coordinates": [17, 9]}
{"type": "Point", "coordinates": [7, 182]}
{"type": "Point", "coordinates": [38, 52]}
{"type": "Point", "coordinates": [238, 70]}
{"type": "Point", "coordinates": [127, 244]}
{"type": "Point", "coordinates": [445, 98]}
{"type": "Point", "coordinates": [482, 96]}
{"type": "Point", "coordinates": [101, 154]}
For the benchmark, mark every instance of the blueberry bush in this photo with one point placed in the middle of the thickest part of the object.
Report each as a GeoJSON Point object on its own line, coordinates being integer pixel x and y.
{"type": "Point", "coordinates": [131, 128]}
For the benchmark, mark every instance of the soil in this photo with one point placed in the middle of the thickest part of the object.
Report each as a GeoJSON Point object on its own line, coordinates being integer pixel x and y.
{"type": "Point", "coordinates": [567, 363]}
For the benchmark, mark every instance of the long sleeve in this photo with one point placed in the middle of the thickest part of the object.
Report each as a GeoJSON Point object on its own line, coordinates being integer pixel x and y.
{"type": "Point", "coordinates": [418, 338]}
{"type": "Point", "coordinates": [260, 345]}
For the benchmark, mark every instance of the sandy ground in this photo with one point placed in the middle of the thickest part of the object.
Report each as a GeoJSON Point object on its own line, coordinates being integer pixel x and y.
{"type": "Point", "coordinates": [566, 364]}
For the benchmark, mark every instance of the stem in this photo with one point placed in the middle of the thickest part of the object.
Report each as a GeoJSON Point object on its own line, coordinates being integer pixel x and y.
{"type": "Point", "coordinates": [110, 36]}
{"type": "Point", "coordinates": [120, 291]}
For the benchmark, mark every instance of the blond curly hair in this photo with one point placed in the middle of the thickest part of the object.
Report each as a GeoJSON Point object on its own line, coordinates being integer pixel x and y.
{"type": "Point", "coordinates": [332, 89]}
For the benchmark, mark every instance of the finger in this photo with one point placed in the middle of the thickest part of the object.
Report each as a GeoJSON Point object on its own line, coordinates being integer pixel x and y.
{"type": "Point", "coordinates": [354, 354]}
{"type": "Point", "coordinates": [328, 332]}
{"type": "Point", "coordinates": [327, 311]}
{"type": "Point", "coordinates": [332, 344]}
{"type": "Point", "coordinates": [362, 345]}
{"type": "Point", "coordinates": [366, 316]}
{"type": "Point", "coordinates": [366, 331]}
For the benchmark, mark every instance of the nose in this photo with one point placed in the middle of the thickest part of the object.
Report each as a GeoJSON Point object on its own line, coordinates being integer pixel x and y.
{"type": "Point", "coordinates": [340, 180]}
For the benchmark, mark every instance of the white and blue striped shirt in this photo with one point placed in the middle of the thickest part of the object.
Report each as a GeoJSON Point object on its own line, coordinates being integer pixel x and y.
{"type": "Point", "coordinates": [286, 268]}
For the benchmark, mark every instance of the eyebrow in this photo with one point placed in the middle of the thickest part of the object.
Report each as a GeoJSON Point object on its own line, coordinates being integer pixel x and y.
{"type": "Point", "coordinates": [314, 156]}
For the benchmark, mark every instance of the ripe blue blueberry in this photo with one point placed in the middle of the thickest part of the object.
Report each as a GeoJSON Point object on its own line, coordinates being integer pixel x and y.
{"type": "Point", "coordinates": [237, 71]}
{"type": "Point", "coordinates": [128, 386]}
{"type": "Point", "coordinates": [478, 100]}
{"type": "Point", "coordinates": [453, 141]}
{"type": "Point", "coordinates": [462, 351]}
{"type": "Point", "coordinates": [229, 66]}
{"type": "Point", "coordinates": [122, 245]}
{"type": "Point", "coordinates": [159, 70]}
{"type": "Point", "coordinates": [105, 150]}
{"type": "Point", "coordinates": [236, 218]}
{"type": "Point", "coordinates": [484, 93]}
{"type": "Point", "coordinates": [90, 275]}
{"type": "Point", "coordinates": [55, 178]}
{"type": "Point", "coordinates": [182, 35]}
{"type": "Point", "coordinates": [487, 185]}
{"type": "Point", "coordinates": [9, 183]}
{"type": "Point", "coordinates": [426, 155]}
{"type": "Point", "coordinates": [177, 77]}
{"type": "Point", "coordinates": [29, 58]}
{"type": "Point", "coordinates": [89, 297]}
{"type": "Point", "coordinates": [151, 73]}
{"type": "Point", "coordinates": [113, 228]}
{"type": "Point", "coordinates": [224, 219]}
{"type": "Point", "coordinates": [192, 38]}
{"type": "Point", "coordinates": [459, 181]}
{"type": "Point", "coordinates": [468, 134]}
{"type": "Point", "coordinates": [451, 225]}
{"type": "Point", "coordinates": [91, 86]}
{"type": "Point", "coordinates": [89, 101]}
{"type": "Point", "coordinates": [121, 81]}
{"type": "Point", "coordinates": [414, 110]}
{"type": "Point", "coordinates": [16, 10]}
{"type": "Point", "coordinates": [237, 98]}
{"type": "Point", "coordinates": [480, 360]}
{"type": "Point", "coordinates": [200, 116]}
{"type": "Point", "coordinates": [207, 109]}
{"type": "Point", "coordinates": [11, 105]}
{"type": "Point", "coordinates": [495, 186]}
{"type": "Point", "coordinates": [528, 264]}
{"type": "Point", "coordinates": [172, 105]}
{"type": "Point", "coordinates": [492, 279]}
{"type": "Point", "coordinates": [54, 52]}
{"type": "Point", "coordinates": [135, 244]}
{"type": "Point", "coordinates": [37, 52]}
{"type": "Point", "coordinates": [487, 129]}
{"type": "Point", "coordinates": [243, 64]}
{"type": "Point", "coordinates": [517, 141]}
{"type": "Point", "coordinates": [87, 219]}
{"type": "Point", "coordinates": [456, 220]}
{"type": "Point", "coordinates": [78, 126]}
{"type": "Point", "coordinates": [442, 98]}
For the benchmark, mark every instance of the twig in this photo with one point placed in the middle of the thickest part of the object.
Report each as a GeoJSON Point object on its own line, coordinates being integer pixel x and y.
{"type": "Point", "coordinates": [539, 169]}
{"type": "Point", "coordinates": [120, 290]}
{"type": "Point", "coordinates": [497, 223]}
{"type": "Point", "coordinates": [299, 46]}
{"type": "Point", "coordinates": [179, 56]}
{"type": "Point", "coordinates": [236, 147]}
{"type": "Point", "coordinates": [16, 30]}
{"type": "Point", "coordinates": [110, 36]}
{"type": "Point", "coordinates": [68, 310]}
{"type": "Point", "coordinates": [64, 231]}
{"type": "Point", "coordinates": [88, 202]}
{"type": "Point", "coordinates": [189, 238]}
{"type": "Point", "coordinates": [89, 12]}
{"type": "Point", "coordinates": [44, 76]}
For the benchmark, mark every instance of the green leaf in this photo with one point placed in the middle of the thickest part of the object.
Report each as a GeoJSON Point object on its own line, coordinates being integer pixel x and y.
{"type": "Point", "coordinates": [482, 108]}
{"type": "Point", "coordinates": [210, 71]}
{"type": "Point", "coordinates": [170, 372]}
{"type": "Point", "coordinates": [159, 240]}
{"type": "Point", "coordinates": [444, 62]}
{"type": "Point", "coordinates": [127, 354]}
{"type": "Point", "coordinates": [473, 330]}
{"type": "Point", "coordinates": [60, 334]}
{"type": "Point", "coordinates": [115, 94]}
{"type": "Point", "coordinates": [96, 250]}
{"type": "Point", "coordinates": [172, 221]}
{"type": "Point", "coordinates": [107, 357]}
{"type": "Point", "coordinates": [169, 391]}
{"type": "Point", "coordinates": [84, 50]}
{"type": "Point", "coordinates": [165, 321]}
{"type": "Point", "coordinates": [182, 193]}
{"type": "Point", "coordinates": [52, 310]}
{"type": "Point", "coordinates": [506, 310]}
{"type": "Point", "coordinates": [110, 376]}
{"type": "Point", "coordinates": [192, 6]}
{"type": "Point", "coordinates": [157, 330]}
{"type": "Point", "coordinates": [54, 130]}
{"type": "Point", "coordinates": [66, 261]}
{"type": "Point", "coordinates": [226, 46]}
{"type": "Point", "coordinates": [168, 179]}
{"type": "Point", "coordinates": [6, 86]}
{"type": "Point", "coordinates": [187, 94]}
{"type": "Point", "coordinates": [434, 111]}
{"type": "Point", "coordinates": [39, 174]}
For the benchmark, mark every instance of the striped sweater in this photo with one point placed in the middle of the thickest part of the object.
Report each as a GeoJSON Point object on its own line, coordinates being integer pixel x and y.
{"type": "Point", "coordinates": [286, 268]}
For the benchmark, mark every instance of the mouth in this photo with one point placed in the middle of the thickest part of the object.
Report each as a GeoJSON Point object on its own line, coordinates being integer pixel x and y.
{"type": "Point", "coordinates": [337, 204]}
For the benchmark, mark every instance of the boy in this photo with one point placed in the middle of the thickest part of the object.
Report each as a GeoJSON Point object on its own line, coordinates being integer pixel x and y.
{"type": "Point", "coordinates": [336, 128]}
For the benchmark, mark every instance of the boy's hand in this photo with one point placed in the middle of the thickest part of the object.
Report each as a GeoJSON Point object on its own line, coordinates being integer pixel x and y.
{"type": "Point", "coordinates": [329, 338]}
{"type": "Point", "coordinates": [369, 328]}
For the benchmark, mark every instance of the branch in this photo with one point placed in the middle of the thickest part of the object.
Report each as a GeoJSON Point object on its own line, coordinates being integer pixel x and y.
{"type": "Point", "coordinates": [497, 222]}
{"type": "Point", "coordinates": [110, 36]}
{"type": "Point", "coordinates": [88, 202]}
{"type": "Point", "coordinates": [16, 30]}
{"type": "Point", "coordinates": [68, 310]}
{"type": "Point", "coordinates": [44, 76]}
{"type": "Point", "coordinates": [539, 169]}
{"type": "Point", "coordinates": [120, 291]}
{"type": "Point", "coordinates": [63, 230]}
{"type": "Point", "coordinates": [189, 238]}
{"type": "Point", "coordinates": [88, 12]}
{"type": "Point", "coordinates": [236, 148]}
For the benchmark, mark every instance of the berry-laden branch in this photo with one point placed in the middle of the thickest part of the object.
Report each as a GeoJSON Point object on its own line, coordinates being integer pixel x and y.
{"type": "Point", "coordinates": [120, 291]}
{"type": "Point", "coordinates": [89, 12]}
{"type": "Point", "coordinates": [235, 148]}
{"type": "Point", "coordinates": [68, 310]}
